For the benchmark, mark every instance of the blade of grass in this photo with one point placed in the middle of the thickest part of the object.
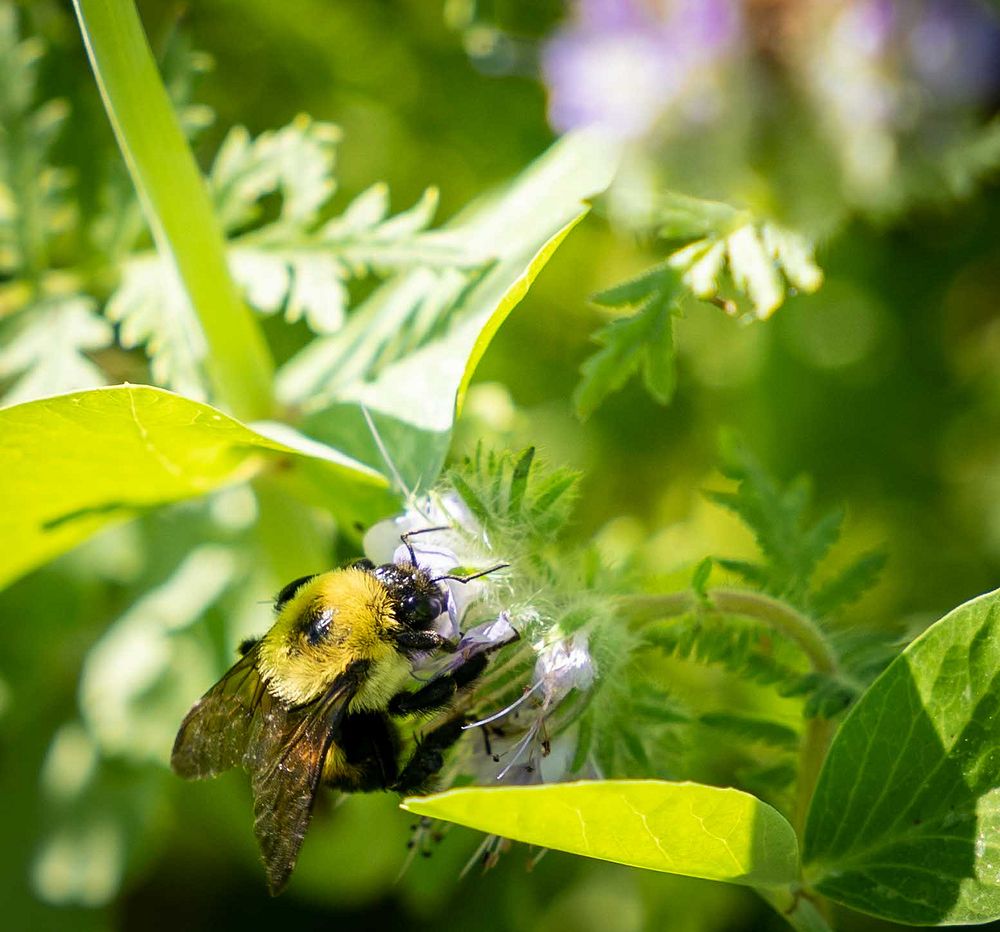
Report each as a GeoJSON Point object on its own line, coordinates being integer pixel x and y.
{"type": "Point", "coordinates": [175, 200]}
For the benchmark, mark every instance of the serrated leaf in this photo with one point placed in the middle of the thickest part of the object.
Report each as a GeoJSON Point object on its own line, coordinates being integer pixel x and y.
{"type": "Point", "coordinates": [636, 291]}
{"type": "Point", "coordinates": [758, 255]}
{"type": "Point", "coordinates": [644, 340]}
{"type": "Point", "coordinates": [794, 255]}
{"type": "Point", "coordinates": [624, 341]}
{"type": "Point", "coordinates": [366, 210]}
{"type": "Point", "coordinates": [753, 271]}
{"type": "Point", "coordinates": [407, 354]}
{"type": "Point", "coordinates": [905, 820]}
{"type": "Point", "coordinates": [154, 312]}
{"type": "Point", "coordinates": [76, 463]}
{"type": "Point", "coordinates": [683, 217]}
{"type": "Point", "coordinates": [699, 578]}
{"type": "Point", "coordinates": [850, 584]}
{"type": "Point", "coordinates": [678, 828]}
{"type": "Point", "coordinates": [297, 161]}
{"type": "Point", "coordinates": [752, 729]}
{"type": "Point", "coordinates": [46, 351]}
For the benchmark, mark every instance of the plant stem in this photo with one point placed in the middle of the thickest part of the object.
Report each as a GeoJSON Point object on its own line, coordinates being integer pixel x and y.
{"type": "Point", "coordinates": [797, 908]}
{"type": "Point", "coordinates": [800, 628]}
{"type": "Point", "coordinates": [176, 202]}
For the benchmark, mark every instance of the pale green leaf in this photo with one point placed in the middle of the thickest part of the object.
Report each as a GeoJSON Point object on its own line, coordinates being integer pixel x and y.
{"type": "Point", "coordinates": [296, 161]}
{"type": "Point", "coordinates": [679, 828]}
{"type": "Point", "coordinates": [683, 217]}
{"type": "Point", "coordinates": [905, 821]}
{"type": "Point", "coordinates": [78, 462]}
{"type": "Point", "coordinates": [753, 271]}
{"type": "Point", "coordinates": [46, 349]}
{"type": "Point", "coordinates": [176, 200]}
{"type": "Point", "coordinates": [408, 352]}
{"type": "Point", "coordinates": [154, 312]}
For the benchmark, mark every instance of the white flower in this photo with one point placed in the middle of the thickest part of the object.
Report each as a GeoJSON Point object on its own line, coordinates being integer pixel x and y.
{"type": "Point", "coordinates": [563, 664]}
{"type": "Point", "coordinates": [439, 534]}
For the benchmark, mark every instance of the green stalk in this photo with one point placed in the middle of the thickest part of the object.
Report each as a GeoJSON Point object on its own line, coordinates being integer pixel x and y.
{"type": "Point", "coordinates": [176, 202]}
{"type": "Point", "coordinates": [797, 908]}
{"type": "Point", "coordinates": [800, 628]}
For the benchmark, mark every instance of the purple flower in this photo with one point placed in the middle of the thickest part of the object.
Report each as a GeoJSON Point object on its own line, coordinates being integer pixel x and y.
{"type": "Point", "coordinates": [953, 49]}
{"type": "Point", "coordinates": [622, 65]}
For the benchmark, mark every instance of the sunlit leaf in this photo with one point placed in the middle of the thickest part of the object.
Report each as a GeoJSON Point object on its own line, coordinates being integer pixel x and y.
{"type": "Point", "coordinates": [905, 821]}
{"type": "Point", "coordinates": [408, 352]}
{"type": "Point", "coordinates": [75, 463]}
{"type": "Point", "coordinates": [679, 828]}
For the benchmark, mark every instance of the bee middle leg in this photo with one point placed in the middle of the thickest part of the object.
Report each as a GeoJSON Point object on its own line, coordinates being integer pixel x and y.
{"type": "Point", "coordinates": [428, 758]}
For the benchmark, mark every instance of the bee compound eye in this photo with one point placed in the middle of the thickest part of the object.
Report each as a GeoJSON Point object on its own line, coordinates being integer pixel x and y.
{"type": "Point", "coordinates": [420, 609]}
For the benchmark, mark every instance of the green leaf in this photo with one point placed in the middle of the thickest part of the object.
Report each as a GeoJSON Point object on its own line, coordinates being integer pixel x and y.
{"type": "Point", "coordinates": [78, 462]}
{"type": "Point", "coordinates": [849, 584]}
{"type": "Point", "coordinates": [752, 729]}
{"type": "Point", "coordinates": [408, 352]}
{"type": "Point", "coordinates": [678, 828]}
{"type": "Point", "coordinates": [683, 217]}
{"type": "Point", "coordinates": [793, 545]}
{"type": "Point", "coordinates": [644, 340]}
{"type": "Point", "coordinates": [699, 578]}
{"type": "Point", "coordinates": [905, 821]}
{"type": "Point", "coordinates": [759, 256]}
{"type": "Point", "coordinates": [297, 264]}
{"type": "Point", "coordinates": [296, 161]}
{"type": "Point", "coordinates": [46, 350]}
{"type": "Point", "coordinates": [153, 312]}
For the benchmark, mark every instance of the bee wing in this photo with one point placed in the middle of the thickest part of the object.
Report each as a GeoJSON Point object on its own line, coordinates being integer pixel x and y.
{"type": "Point", "coordinates": [216, 732]}
{"type": "Point", "coordinates": [285, 756]}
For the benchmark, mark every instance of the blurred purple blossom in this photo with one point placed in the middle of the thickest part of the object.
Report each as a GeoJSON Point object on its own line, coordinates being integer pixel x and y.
{"type": "Point", "coordinates": [622, 64]}
{"type": "Point", "coordinates": [953, 47]}
{"type": "Point", "coordinates": [627, 65]}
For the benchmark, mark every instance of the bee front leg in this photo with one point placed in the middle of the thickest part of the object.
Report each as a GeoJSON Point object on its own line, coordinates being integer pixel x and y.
{"type": "Point", "coordinates": [422, 641]}
{"type": "Point", "coordinates": [438, 692]}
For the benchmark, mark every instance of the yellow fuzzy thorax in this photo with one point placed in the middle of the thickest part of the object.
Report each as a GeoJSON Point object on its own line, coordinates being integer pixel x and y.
{"type": "Point", "coordinates": [361, 626]}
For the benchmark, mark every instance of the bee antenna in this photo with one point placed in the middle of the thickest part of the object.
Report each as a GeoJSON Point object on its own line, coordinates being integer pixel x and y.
{"type": "Point", "coordinates": [405, 538]}
{"type": "Point", "coordinates": [465, 579]}
{"type": "Point", "coordinates": [385, 453]}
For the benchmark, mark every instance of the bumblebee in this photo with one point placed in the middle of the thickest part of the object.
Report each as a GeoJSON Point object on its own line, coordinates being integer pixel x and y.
{"type": "Point", "coordinates": [313, 701]}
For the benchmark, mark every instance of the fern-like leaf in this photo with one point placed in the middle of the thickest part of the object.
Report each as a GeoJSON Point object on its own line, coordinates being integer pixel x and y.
{"type": "Point", "coordinates": [642, 341]}
{"type": "Point", "coordinates": [794, 546]}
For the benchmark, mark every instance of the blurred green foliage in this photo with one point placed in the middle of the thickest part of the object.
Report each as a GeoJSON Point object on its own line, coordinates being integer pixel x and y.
{"type": "Point", "coordinates": [882, 387]}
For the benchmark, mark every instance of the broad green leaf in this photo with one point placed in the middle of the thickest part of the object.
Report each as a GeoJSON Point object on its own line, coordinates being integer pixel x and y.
{"type": "Point", "coordinates": [75, 463]}
{"type": "Point", "coordinates": [408, 352]}
{"type": "Point", "coordinates": [678, 828]}
{"type": "Point", "coordinates": [905, 821]}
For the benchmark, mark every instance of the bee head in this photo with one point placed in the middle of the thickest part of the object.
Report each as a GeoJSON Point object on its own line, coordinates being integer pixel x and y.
{"type": "Point", "coordinates": [417, 600]}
